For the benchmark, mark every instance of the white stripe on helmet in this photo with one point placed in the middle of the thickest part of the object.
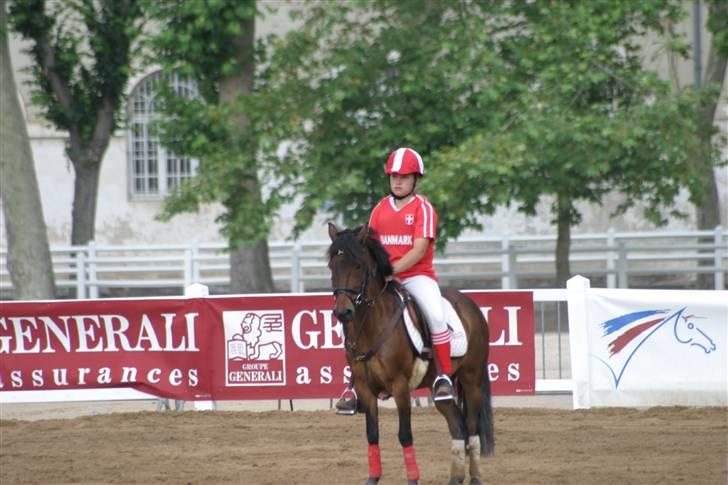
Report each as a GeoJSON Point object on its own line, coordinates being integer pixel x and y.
{"type": "Point", "coordinates": [398, 157]}
{"type": "Point", "coordinates": [419, 160]}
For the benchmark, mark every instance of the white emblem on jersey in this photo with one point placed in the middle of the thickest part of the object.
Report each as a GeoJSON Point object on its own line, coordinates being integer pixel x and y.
{"type": "Point", "coordinates": [409, 219]}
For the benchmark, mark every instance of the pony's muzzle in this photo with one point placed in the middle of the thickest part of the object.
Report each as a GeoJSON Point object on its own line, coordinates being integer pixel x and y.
{"type": "Point", "coordinates": [344, 315]}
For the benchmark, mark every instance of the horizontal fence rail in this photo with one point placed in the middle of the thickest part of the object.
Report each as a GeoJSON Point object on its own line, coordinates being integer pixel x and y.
{"type": "Point", "coordinates": [620, 259]}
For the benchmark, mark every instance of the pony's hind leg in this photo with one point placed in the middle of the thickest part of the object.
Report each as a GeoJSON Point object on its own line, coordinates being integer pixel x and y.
{"type": "Point", "coordinates": [457, 430]}
{"type": "Point", "coordinates": [477, 412]}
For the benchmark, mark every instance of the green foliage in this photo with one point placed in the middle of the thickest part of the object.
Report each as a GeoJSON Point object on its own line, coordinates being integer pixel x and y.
{"type": "Point", "coordinates": [507, 102]}
{"type": "Point", "coordinates": [589, 118]}
{"type": "Point", "coordinates": [718, 24]}
{"type": "Point", "coordinates": [89, 44]}
{"type": "Point", "coordinates": [197, 38]}
{"type": "Point", "coordinates": [229, 137]}
{"type": "Point", "coordinates": [370, 77]}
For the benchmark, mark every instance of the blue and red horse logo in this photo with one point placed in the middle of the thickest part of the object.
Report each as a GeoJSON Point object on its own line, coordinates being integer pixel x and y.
{"type": "Point", "coordinates": [625, 335]}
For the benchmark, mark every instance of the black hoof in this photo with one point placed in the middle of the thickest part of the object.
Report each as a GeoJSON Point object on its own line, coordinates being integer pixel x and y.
{"type": "Point", "coordinates": [412, 482]}
{"type": "Point", "coordinates": [475, 481]}
{"type": "Point", "coordinates": [372, 481]}
{"type": "Point", "coordinates": [455, 481]}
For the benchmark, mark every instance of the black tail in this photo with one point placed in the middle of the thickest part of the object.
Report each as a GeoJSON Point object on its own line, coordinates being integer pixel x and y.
{"type": "Point", "coordinates": [485, 417]}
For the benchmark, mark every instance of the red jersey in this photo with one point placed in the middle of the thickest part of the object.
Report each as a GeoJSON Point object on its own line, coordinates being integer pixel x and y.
{"type": "Point", "coordinates": [398, 228]}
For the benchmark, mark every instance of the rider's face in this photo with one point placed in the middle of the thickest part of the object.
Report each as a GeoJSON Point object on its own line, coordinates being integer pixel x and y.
{"type": "Point", "coordinates": [401, 185]}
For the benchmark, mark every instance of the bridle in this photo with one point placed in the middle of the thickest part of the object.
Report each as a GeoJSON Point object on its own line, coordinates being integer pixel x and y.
{"type": "Point", "coordinates": [358, 298]}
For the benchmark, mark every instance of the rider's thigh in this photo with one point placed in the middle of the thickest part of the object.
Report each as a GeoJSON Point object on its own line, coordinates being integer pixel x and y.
{"type": "Point", "coordinates": [426, 292]}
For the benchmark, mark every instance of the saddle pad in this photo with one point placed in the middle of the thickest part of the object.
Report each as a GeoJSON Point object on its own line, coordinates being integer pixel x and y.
{"type": "Point", "coordinates": [458, 340]}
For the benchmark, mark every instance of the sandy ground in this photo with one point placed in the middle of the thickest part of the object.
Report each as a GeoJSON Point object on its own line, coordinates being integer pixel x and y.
{"type": "Point", "coordinates": [538, 440]}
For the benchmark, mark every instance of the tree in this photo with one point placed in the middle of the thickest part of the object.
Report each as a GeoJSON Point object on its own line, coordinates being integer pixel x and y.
{"type": "Point", "coordinates": [213, 43]}
{"type": "Point", "coordinates": [29, 258]}
{"type": "Point", "coordinates": [81, 51]}
{"type": "Point", "coordinates": [368, 77]}
{"type": "Point", "coordinates": [708, 210]}
{"type": "Point", "coordinates": [508, 101]}
{"type": "Point", "coordinates": [591, 119]}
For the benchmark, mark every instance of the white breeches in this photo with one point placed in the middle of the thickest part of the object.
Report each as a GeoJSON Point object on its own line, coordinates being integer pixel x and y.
{"type": "Point", "coordinates": [426, 293]}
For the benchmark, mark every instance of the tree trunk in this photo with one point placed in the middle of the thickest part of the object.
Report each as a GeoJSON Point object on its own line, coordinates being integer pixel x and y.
{"type": "Point", "coordinates": [29, 257]}
{"type": "Point", "coordinates": [85, 194]}
{"type": "Point", "coordinates": [249, 263]}
{"type": "Point", "coordinates": [708, 212]}
{"type": "Point", "coordinates": [563, 241]}
{"type": "Point", "coordinates": [250, 269]}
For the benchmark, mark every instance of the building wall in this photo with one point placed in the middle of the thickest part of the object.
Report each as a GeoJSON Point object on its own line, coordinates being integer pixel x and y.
{"type": "Point", "coordinates": [121, 219]}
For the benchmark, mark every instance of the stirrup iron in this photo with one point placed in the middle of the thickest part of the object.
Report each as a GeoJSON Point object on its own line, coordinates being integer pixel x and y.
{"type": "Point", "coordinates": [344, 405]}
{"type": "Point", "coordinates": [442, 382]}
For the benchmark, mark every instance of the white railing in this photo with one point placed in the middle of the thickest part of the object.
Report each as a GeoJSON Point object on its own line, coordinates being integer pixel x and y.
{"type": "Point", "coordinates": [669, 259]}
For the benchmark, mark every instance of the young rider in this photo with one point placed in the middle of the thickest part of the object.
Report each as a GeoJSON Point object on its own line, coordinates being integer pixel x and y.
{"type": "Point", "coordinates": [406, 224]}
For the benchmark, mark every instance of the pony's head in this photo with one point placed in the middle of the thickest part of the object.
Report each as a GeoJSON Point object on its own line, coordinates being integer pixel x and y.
{"type": "Point", "coordinates": [688, 332]}
{"type": "Point", "coordinates": [356, 257]}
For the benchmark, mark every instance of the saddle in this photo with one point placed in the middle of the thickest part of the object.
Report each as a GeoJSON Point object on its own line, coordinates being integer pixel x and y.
{"type": "Point", "coordinates": [419, 332]}
{"type": "Point", "coordinates": [413, 317]}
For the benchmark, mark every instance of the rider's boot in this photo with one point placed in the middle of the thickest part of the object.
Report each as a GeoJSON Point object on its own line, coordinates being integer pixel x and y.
{"type": "Point", "coordinates": [442, 388]}
{"type": "Point", "coordinates": [347, 403]}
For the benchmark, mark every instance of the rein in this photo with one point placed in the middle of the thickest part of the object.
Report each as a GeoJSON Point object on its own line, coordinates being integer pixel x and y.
{"type": "Point", "coordinates": [365, 356]}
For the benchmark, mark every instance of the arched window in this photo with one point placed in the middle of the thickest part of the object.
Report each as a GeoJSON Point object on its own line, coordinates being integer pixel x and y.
{"type": "Point", "coordinates": [155, 172]}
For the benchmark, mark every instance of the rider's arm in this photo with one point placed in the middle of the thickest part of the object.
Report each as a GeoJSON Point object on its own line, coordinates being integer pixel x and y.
{"type": "Point", "coordinates": [413, 255]}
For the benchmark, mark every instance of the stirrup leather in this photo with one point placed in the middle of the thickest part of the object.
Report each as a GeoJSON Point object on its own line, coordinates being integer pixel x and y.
{"type": "Point", "coordinates": [442, 389]}
{"type": "Point", "coordinates": [347, 403]}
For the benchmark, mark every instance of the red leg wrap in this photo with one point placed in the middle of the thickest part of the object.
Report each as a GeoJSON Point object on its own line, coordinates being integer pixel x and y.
{"type": "Point", "coordinates": [413, 472]}
{"type": "Point", "coordinates": [375, 462]}
{"type": "Point", "coordinates": [442, 352]}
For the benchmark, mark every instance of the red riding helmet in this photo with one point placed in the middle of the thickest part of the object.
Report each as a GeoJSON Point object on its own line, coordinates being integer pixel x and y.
{"type": "Point", "coordinates": [404, 161]}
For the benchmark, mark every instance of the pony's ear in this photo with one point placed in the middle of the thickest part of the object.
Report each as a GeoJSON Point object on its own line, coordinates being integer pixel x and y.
{"type": "Point", "coordinates": [333, 231]}
{"type": "Point", "coordinates": [363, 233]}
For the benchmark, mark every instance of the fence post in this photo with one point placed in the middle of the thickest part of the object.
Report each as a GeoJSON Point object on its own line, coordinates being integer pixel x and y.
{"type": "Point", "coordinates": [622, 266]}
{"type": "Point", "coordinates": [505, 264]}
{"type": "Point", "coordinates": [196, 262]}
{"type": "Point", "coordinates": [611, 276]}
{"type": "Point", "coordinates": [188, 267]}
{"type": "Point", "coordinates": [577, 289]}
{"type": "Point", "coordinates": [718, 258]}
{"type": "Point", "coordinates": [296, 268]}
{"type": "Point", "coordinates": [80, 274]}
{"type": "Point", "coordinates": [92, 275]}
{"type": "Point", "coordinates": [512, 263]}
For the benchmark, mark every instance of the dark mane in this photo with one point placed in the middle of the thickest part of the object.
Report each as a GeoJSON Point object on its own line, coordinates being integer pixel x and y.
{"type": "Point", "coordinates": [347, 241]}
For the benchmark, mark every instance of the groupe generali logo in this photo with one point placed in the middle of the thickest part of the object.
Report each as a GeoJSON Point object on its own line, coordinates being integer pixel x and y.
{"type": "Point", "coordinates": [256, 348]}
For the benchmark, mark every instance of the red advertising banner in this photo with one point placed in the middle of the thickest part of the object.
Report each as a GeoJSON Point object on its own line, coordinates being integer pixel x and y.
{"type": "Point", "coordinates": [241, 347]}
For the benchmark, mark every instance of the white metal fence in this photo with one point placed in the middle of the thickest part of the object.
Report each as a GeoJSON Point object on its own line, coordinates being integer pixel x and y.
{"type": "Point", "coordinates": [612, 259]}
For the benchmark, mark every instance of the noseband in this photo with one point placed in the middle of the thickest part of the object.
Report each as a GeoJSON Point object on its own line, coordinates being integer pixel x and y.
{"type": "Point", "coordinates": [356, 297]}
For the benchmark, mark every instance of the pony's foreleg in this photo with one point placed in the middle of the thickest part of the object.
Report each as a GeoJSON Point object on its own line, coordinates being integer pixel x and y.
{"type": "Point", "coordinates": [404, 410]}
{"type": "Point", "coordinates": [372, 423]}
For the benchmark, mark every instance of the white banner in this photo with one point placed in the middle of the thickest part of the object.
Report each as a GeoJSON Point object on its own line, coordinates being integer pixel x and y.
{"type": "Point", "coordinates": [648, 347]}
